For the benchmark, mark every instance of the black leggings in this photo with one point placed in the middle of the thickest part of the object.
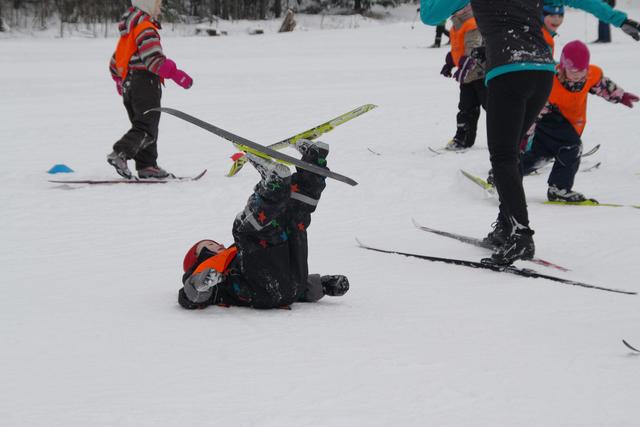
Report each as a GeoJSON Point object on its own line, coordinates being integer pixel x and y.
{"type": "Point", "coordinates": [514, 100]}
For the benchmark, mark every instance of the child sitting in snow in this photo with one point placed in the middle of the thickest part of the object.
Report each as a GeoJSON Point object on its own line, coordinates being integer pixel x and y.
{"type": "Point", "coordinates": [559, 128]}
{"type": "Point", "coordinates": [266, 267]}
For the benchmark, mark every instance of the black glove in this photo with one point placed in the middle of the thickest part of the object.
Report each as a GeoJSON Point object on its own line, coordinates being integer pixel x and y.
{"type": "Point", "coordinates": [632, 28]}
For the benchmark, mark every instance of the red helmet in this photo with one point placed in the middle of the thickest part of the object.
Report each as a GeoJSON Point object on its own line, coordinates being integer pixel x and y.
{"type": "Point", "coordinates": [201, 251]}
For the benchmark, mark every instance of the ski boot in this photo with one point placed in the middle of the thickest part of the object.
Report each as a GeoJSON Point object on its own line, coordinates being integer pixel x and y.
{"type": "Point", "coordinates": [334, 286]}
{"type": "Point", "coordinates": [154, 172]}
{"type": "Point", "coordinates": [268, 169]}
{"type": "Point", "coordinates": [519, 245]}
{"type": "Point", "coordinates": [119, 162]}
{"type": "Point", "coordinates": [456, 145]}
{"type": "Point", "coordinates": [500, 233]}
{"type": "Point", "coordinates": [313, 152]}
{"type": "Point", "coordinates": [555, 194]}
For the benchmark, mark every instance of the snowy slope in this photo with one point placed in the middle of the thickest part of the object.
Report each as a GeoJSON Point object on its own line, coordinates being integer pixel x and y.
{"type": "Point", "coordinates": [90, 330]}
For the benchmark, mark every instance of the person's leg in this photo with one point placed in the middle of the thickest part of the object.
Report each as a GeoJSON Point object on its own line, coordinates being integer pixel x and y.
{"type": "Point", "coordinates": [536, 156]}
{"type": "Point", "coordinates": [514, 100]}
{"type": "Point", "coordinates": [142, 92]}
{"type": "Point", "coordinates": [467, 117]}
{"type": "Point", "coordinates": [261, 237]}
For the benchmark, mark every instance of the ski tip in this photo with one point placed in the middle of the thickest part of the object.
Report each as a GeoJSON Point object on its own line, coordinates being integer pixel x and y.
{"type": "Point", "coordinates": [359, 242]}
{"type": "Point", "coordinates": [630, 347]}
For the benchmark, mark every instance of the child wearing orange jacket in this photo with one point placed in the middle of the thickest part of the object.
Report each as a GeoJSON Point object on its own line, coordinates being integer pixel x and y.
{"type": "Point", "coordinates": [138, 67]}
{"type": "Point", "coordinates": [559, 128]}
{"type": "Point", "coordinates": [467, 53]}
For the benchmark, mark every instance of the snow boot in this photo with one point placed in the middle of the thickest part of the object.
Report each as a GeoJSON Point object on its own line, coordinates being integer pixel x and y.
{"type": "Point", "coordinates": [555, 194]}
{"type": "Point", "coordinates": [154, 172]}
{"type": "Point", "coordinates": [119, 162]}
{"type": "Point", "coordinates": [334, 286]}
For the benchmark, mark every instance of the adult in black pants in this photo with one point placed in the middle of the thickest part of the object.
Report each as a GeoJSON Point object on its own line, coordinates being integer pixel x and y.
{"type": "Point", "coordinates": [519, 77]}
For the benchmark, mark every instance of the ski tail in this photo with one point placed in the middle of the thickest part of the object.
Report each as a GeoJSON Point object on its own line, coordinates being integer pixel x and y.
{"type": "Point", "coordinates": [239, 160]}
{"type": "Point", "coordinates": [490, 189]}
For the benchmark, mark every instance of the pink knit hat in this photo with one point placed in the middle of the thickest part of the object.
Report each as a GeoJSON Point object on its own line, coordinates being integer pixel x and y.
{"type": "Point", "coordinates": [575, 56]}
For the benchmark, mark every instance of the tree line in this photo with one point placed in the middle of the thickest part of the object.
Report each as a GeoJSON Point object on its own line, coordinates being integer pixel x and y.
{"type": "Point", "coordinates": [39, 13]}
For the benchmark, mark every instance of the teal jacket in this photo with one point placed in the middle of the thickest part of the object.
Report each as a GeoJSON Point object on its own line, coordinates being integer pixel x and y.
{"type": "Point", "coordinates": [597, 8]}
{"type": "Point", "coordinates": [432, 12]}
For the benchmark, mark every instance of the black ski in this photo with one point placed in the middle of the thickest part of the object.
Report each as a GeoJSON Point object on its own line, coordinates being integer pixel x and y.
{"type": "Point", "coordinates": [246, 145]}
{"type": "Point", "coordinates": [481, 244]}
{"type": "Point", "coordinates": [525, 272]}
{"type": "Point", "coordinates": [133, 180]}
{"type": "Point", "coordinates": [630, 346]}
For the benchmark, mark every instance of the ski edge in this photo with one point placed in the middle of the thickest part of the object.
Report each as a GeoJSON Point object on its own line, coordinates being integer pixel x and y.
{"type": "Point", "coordinates": [130, 181]}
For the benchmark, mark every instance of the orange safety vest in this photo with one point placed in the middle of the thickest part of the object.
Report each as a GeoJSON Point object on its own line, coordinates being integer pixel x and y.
{"type": "Point", "coordinates": [457, 39]}
{"type": "Point", "coordinates": [573, 105]}
{"type": "Point", "coordinates": [219, 262]}
{"type": "Point", "coordinates": [549, 39]}
{"type": "Point", "coordinates": [127, 47]}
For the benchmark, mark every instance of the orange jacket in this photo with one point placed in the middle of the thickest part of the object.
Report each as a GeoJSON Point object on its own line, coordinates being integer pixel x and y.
{"type": "Point", "coordinates": [573, 105]}
{"type": "Point", "coordinates": [127, 47]}
{"type": "Point", "coordinates": [548, 37]}
{"type": "Point", "coordinates": [219, 262]}
{"type": "Point", "coordinates": [457, 39]}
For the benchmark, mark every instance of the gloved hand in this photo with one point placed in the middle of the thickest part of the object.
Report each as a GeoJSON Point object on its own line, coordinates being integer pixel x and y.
{"type": "Point", "coordinates": [118, 82]}
{"type": "Point", "coordinates": [628, 99]}
{"type": "Point", "coordinates": [448, 65]}
{"type": "Point", "coordinates": [466, 64]}
{"type": "Point", "coordinates": [632, 28]}
{"type": "Point", "coordinates": [169, 70]}
{"type": "Point", "coordinates": [206, 280]}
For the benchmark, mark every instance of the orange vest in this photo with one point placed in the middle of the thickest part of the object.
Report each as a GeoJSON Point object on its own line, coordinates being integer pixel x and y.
{"type": "Point", "coordinates": [549, 39]}
{"type": "Point", "coordinates": [127, 47]}
{"type": "Point", "coordinates": [219, 262]}
{"type": "Point", "coordinates": [457, 39]}
{"type": "Point", "coordinates": [573, 105]}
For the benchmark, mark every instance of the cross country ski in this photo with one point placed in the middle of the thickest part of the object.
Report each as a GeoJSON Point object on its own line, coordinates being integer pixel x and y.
{"type": "Point", "coordinates": [133, 180]}
{"type": "Point", "coordinates": [239, 159]}
{"type": "Point", "coordinates": [248, 146]}
{"type": "Point", "coordinates": [481, 244]}
{"type": "Point", "coordinates": [525, 272]}
{"type": "Point", "coordinates": [629, 346]}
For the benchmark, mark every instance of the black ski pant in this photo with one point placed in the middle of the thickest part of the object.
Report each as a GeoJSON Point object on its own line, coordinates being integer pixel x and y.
{"type": "Point", "coordinates": [514, 100]}
{"type": "Point", "coordinates": [141, 92]}
{"type": "Point", "coordinates": [555, 139]}
{"type": "Point", "coordinates": [473, 95]}
{"type": "Point", "coordinates": [271, 236]}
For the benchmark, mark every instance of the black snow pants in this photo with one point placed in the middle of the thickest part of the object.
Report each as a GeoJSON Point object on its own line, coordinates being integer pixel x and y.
{"type": "Point", "coordinates": [141, 92]}
{"type": "Point", "coordinates": [555, 138]}
{"type": "Point", "coordinates": [514, 100]}
{"type": "Point", "coordinates": [271, 268]}
{"type": "Point", "coordinates": [473, 95]}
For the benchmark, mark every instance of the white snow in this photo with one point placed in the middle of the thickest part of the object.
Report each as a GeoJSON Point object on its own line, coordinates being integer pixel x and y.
{"type": "Point", "coordinates": [90, 330]}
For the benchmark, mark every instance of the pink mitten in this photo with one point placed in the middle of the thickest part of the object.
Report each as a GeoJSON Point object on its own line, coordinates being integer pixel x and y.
{"type": "Point", "coordinates": [118, 81]}
{"type": "Point", "coordinates": [169, 70]}
{"type": "Point", "coordinates": [628, 99]}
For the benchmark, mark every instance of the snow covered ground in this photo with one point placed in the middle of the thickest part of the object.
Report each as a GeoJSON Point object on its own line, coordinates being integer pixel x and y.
{"type": "Point", "coordinates": [90, 330]}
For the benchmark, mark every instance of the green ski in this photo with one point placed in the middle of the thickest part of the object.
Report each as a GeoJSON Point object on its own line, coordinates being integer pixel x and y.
{"type": "Point", "coordinates": [239, 159]}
